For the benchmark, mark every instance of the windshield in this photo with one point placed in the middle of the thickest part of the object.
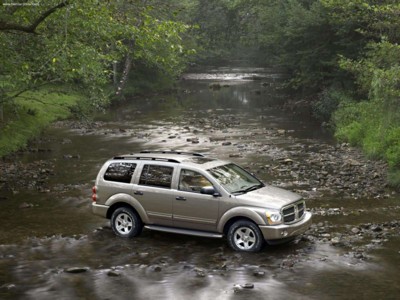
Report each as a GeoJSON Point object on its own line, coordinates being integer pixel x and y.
{"type": "Point", "coordinates": [234, 179]}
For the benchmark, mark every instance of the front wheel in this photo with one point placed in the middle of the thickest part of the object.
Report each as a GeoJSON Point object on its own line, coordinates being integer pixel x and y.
{"type": "Point", "coordinates": [245, 236]}
{"type": "Point", "coordinates": [126, 223]}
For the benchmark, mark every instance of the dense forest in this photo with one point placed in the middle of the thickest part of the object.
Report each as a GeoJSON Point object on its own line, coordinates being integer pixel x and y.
{"type": "Point", "coordinates": [62, 57]}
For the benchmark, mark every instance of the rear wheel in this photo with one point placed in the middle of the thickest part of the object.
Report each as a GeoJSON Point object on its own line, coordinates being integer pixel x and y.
{"type": "Point", "coordinates": [126, 223]}
{"type": "Point", "coordinates": [244, 235]}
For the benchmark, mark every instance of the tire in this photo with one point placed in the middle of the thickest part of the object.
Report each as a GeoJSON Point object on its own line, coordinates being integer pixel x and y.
{"type": "Point", "coordinates": [126, 223]}
{"type": "Point", "coordinates": [244, 235]}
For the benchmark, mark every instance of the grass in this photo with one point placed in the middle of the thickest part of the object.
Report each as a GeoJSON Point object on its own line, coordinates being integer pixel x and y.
{"type": "Point", "coordinates": [27, 115]}
{"type": "Point", "coordinates": [374, 129]}
{"type": "Point", "coordinates": [394, 178]}
{"type": "Point", "coordinates": [30, 113]}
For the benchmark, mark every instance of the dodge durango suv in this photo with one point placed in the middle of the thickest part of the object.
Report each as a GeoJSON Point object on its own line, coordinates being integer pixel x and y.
{"type": "Point", "coordinates": [189, 193]}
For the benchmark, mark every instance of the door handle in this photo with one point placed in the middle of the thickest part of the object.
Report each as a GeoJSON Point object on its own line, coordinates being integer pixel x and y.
{"type": "Point", "coordinates": [138, 193]}
{"type": "Point", "coordinates": [180, 198]}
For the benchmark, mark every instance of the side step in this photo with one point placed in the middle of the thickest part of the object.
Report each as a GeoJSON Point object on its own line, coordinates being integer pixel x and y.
{"type": "Point", "coordinates": [184, 231]}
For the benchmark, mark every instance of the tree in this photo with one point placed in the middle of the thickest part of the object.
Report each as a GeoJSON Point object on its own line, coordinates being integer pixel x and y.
{"type": "Point", "coordinates": [31, 28]}
{"type": "Point", "coordinates": [79, 42]}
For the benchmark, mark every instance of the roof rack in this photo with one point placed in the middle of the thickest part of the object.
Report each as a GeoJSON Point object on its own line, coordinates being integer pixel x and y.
{"type": "Point", "coordinates": [147, 158]}
{"type": "Point", "coordinates": [173, 152]}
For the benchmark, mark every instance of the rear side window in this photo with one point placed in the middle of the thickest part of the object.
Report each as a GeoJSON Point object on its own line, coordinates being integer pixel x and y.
{"type": "Point", "coordinates": [120, 172]}
{"type": "Point", "coordinates": [154, 175]}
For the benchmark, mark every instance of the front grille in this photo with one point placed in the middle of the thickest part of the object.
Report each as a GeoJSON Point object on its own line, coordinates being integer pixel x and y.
{"type": "Point", "coordinates": [293, 212]}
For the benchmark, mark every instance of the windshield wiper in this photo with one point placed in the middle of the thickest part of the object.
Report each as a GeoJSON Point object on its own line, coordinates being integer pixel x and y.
{"type": "Point", "coordinates": [249, 189]}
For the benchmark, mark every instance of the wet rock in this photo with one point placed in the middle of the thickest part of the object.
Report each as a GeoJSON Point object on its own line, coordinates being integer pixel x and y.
{"type": "Point", "coordinates": [376, 228]}
{"type": "Point", "coordinates": [308, 238]}
{"type": "Point", "coordinates": [355, 230]}
{"type": "Point", "coordinates": [237, 288]}
{"type": "Point", "coordinates": [335, 241]}
{"type": "Point", "coordinates": [195, 141]}
{"type": "Point", "coordinates": [66, 141]}
{"type": "Point", "coordinates": [25, 205]}
{"type": "Point", "coordinates": [70, 156]}
{"type": "Point", "coordinates": [200, 272]}
{"type": "Point", "coordinates": [157, 268]}
{"type": "Point", "coordinates": [8, 286]}
{"type": "Point", "coordinates": [113, 273]}
{"type": "Point", "coordinates": [259, 273]}
{"type": "Point", "coordinates": [288, 263]}
{"type": "Point", "coordinates": [76, 270]}
{"type": "Point", "coordinates": [214, 86]}
{"type": "Point", "coordinates": [287, 161]}
{"type": "Point", "coordinates": [377, 241]}
{"type": "Point", "coordinates": [281, 131]}
{"type": "Point", "coordinates": [217, 139]}
{"type": "Point", "coordinates": [247, 286]}
{"type": "Point", "coordinates": [359, 255]}
{"type": "Point", "coordinates": [226, 143]}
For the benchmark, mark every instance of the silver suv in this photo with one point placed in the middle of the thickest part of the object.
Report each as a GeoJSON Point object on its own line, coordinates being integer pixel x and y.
{"type": "Point", "coordinates": [188, 193]}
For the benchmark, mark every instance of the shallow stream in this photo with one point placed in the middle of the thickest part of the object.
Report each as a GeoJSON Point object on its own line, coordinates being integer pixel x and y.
{"type": "Point", "coordinates": [52, 247]}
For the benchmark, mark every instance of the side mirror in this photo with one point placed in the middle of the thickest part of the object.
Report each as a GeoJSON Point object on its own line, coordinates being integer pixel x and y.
{"type": "Point", "coordinates": [209, 190]}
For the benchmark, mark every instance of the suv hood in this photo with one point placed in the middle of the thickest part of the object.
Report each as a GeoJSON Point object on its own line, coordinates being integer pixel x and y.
{"type": "Point", "coordinates": [269, 197]}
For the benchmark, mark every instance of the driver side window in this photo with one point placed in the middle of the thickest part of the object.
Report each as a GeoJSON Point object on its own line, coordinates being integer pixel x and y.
{"type": "Point", "coordinates": [191, 181]}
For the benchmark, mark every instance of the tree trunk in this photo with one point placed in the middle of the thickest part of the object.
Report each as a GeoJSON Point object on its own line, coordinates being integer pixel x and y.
{"type": "Point", "coordinates": [125, 74]}
{"type": "Point", "coordinates": [115, 73]}
{"type": "Point", "coordinates": [1, 113]}
{"type": "Point", "coordinates": [127, 68]}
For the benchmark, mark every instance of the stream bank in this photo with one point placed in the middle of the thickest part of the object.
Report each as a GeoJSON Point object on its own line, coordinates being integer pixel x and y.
{"type": "Point", "coordinates": [52, 246]}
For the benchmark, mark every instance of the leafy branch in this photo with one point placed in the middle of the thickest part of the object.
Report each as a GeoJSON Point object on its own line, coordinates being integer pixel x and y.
{"type": "Point", "coordinates": [4, 26]}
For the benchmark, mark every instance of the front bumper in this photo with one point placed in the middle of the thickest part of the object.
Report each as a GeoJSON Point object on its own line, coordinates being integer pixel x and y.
{"type": "Point", "coordinates": [100, 210]}
{"type": "Point", "coordinates": [286, 231]}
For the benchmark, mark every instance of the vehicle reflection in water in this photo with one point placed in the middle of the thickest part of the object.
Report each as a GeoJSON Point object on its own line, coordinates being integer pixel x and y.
{"type": "Point", "coordinates": [56, 249]}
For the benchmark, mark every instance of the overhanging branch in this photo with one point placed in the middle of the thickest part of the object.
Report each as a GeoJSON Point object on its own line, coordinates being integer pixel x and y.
{"type": "Point", "coordinates": [4, 26]}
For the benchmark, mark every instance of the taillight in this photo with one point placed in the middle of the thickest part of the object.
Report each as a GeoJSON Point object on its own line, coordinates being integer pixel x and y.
{"type": "Point", "coordinates": [94, 195]}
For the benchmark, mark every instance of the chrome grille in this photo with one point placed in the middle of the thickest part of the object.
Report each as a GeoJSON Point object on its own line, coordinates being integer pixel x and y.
{"type": "Point", "coordinates": [293, 212]}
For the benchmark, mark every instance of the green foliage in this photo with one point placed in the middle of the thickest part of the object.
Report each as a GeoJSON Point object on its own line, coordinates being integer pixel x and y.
{"type": "Point", "coordinates": [34, 111]}
{"type": "Point", "coordinates": [392, 147]}
{"type": "Point", "coordinates": [394, 178]}
{"type": "Point", "coordinates": [328, 102]}
{"type": "Point", "coordinates": [365, 124]}
{"type": "Point", "coordinates": [159, 44]}
{"type": "Point", "coordinates": [146, 79]}
{"type": "Point", "coordinates": [79, 43]}
{"type": "Point", "coordinates": [217, 28]}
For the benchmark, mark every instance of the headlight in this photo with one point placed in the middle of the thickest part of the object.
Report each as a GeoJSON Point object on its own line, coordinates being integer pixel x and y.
{"type": "Point", "coordinates": [274, 217]}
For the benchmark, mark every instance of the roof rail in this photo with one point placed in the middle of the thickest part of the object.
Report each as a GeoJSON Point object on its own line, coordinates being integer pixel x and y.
{"type": "Point", "coordinates": [173, 152]}
{"type": "Point", "coordinates": [146, 158]}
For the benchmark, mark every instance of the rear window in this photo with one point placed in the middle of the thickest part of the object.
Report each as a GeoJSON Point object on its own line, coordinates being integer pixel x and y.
{"type": "Point", "coordinates": [120, 172]}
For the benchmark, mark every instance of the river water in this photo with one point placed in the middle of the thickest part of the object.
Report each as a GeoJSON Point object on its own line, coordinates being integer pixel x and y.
{"type": "Point", "coordinates": [52, 247]}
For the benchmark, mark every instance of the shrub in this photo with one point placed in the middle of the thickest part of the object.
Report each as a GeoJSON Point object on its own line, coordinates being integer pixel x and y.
{"type": "Point", "coordinates": [327, 103]}
{"type": "Point", "coordinates": [392, 146]}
